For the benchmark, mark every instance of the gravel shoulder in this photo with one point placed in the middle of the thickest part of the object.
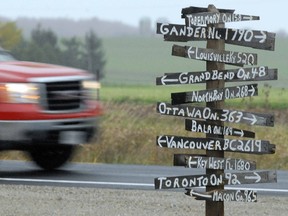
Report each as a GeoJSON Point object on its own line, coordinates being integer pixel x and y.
{"type": "Point", "coordinates": [37, 200]}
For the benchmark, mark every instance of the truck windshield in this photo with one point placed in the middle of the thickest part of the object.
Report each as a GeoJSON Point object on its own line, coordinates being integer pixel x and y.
{"type": "Point", "coordinates": [6, 56]}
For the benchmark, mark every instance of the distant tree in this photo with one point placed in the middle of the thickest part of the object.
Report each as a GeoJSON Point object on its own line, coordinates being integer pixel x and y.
{"type": "Point", "coordinates": [45, 47]}
{"type": "Point", "coordinates": [93, 56]}
{"type": "Point", "coordinates": [71, 52]}
{"type": "Point", "coordinates": [42, 47]}
{"type": "Point", "coordinates": [44, 36]}
{"type": "Point", "coordinates": [10, 35]}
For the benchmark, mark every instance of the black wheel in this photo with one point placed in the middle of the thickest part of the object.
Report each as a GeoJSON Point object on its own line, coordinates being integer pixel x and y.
{"type": "Point", "coordinates": [51, 157]}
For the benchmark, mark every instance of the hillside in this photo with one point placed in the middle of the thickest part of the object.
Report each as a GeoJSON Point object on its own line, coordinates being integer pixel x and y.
{"type": "Point", "coordinates": [67, 27]}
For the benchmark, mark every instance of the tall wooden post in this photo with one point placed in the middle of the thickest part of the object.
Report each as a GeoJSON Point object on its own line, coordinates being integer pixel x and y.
{"type": "Point", "coordinates": [215, 208]}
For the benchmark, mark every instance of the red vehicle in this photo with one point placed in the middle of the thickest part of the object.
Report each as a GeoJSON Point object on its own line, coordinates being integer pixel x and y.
{"type": "Point", "coordinates": [46, 110]}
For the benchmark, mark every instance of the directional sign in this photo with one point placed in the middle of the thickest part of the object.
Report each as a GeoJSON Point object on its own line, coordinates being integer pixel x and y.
{"type": "Point", "coordinates": [209, 128]}
{"type": "Point", "coordinates": [242, 37]}
{"type": "Point", "coordinates": [227, 57]}
{"type": "Point", "coordinates": [188, 181]}
{"type": "Point", "coordinates": [207, 18]}
{"type": "Point", "coordinates": [215, 179]}
{"type": "Point", "coordinates": [223, 115]}
{"type": "Point", "coordinates": [215, 94]}
{"type": "Point", "coordinates": [232, 75]}
{"type": "Point", "coordinates": [192, 9]}
{"type": "Point", "coordinates": [216, 144]}
{"type": "Point", "coordinates": [214, 163]}
{"type": "Point", "coordinates": [224, 195]}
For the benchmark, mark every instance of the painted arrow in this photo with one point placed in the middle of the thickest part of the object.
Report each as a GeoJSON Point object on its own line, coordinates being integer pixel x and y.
{"type": "Point", "coordinates": [262, 37]}
{"type": "Point", "coordinates": [253, 119]}
{"type": "Point", "coordinates": [165, 80]}
{"type": "Point", "coordinates": [255, 177]}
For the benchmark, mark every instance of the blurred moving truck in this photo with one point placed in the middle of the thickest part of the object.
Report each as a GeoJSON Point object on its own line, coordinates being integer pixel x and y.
{"type": "Point", "coordinates": [46, 110]}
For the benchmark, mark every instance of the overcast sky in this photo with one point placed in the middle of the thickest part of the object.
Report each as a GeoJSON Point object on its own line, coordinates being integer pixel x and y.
{"type": "Point", "coordinates": [273, 14]}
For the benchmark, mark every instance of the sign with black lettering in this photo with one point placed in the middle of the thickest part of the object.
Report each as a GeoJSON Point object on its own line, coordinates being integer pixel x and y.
{"type": "Point", "coordinates": [216, 129]}
{"type": "Point", "coordinates": [215, 179]}
{"type": "Point", "coordinates": [214, 94]}
{"type": "Point", "coordinates": [243, 37]}
{"type": "Point", "coordinates": [249, 146]}
{"type": "Point", "coordinates": [208, 18]}
{"type": "Point", "coordinates": [224, 115]}
{"type": "Point", "coordinates": [227, 57]}
{"type": "Point", "coordinates": [232, 75]}
{"type": "Point", "coordinates": [224, 195]}
{"type": "Point", "coordinates": [213, 163]}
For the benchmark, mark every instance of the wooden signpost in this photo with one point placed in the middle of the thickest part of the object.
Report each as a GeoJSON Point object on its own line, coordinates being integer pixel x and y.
{"type": "Point", "coordinates": [209, 24]}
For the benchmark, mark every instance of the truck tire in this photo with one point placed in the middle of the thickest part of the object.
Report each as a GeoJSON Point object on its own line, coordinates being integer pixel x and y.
{"type": "Point", "coordinates": [51, 157]}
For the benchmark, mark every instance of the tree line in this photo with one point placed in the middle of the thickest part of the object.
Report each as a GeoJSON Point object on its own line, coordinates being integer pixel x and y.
{"type": "Point", "coordinates": [43, 45]}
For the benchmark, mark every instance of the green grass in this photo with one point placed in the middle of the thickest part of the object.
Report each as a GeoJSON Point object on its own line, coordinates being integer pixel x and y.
{"type": "Point", "coordinates": [137, 61]}
{"type": "Point", "coordinates": [129, 130]}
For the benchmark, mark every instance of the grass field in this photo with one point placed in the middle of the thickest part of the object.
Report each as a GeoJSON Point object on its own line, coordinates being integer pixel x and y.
{"type": "Point", "coordinates": [139, 60]}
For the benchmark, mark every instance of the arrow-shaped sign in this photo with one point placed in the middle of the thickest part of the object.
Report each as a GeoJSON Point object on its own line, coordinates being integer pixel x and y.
{"type": "Point", "coordinates": [213, 180]}
{"type": "Point", "coordinates": [249, 146]}
{"type": "Point", "coordinates": [224, 195]}
{"type": "Point", "coordinates": [202, 162]}
{"type": "Point", "coordinates": [207, 18]}
{"type": "Point", "coordinates": [257, 39]}
{"type": "Point", "coordinates": [197, 126]}
{"type": "Point", "coordinates": [214, 94]}
{"type": "Point", "coordinates": [227, 57]}
{"type": "Point", "coordinates": [224, 115]}
{"type": "Point", "coordinates": [232, 75]}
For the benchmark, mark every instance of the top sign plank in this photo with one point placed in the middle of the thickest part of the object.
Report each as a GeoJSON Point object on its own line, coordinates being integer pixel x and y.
{"type": "Point", "coordinates": [191, 10]}
{"type": "Point", "coordinates": [207, 18]}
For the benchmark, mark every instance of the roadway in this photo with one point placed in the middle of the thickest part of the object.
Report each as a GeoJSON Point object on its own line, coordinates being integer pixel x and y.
{"type": "Point", "coordinates": [116, 176]}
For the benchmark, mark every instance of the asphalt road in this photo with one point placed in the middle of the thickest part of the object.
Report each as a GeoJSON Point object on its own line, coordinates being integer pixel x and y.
{"type": "Point", "coordinates": [114, 176]}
